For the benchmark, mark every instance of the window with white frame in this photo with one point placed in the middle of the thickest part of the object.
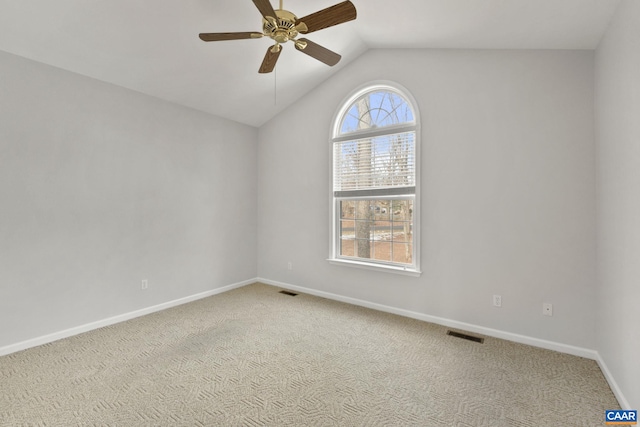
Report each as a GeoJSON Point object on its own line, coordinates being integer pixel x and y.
{"type": "Point", "coordinates": [375, 178]}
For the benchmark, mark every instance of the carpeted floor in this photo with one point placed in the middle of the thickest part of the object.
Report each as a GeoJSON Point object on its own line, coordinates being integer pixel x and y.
{"type": "Point", "coordinates": [256, 357]}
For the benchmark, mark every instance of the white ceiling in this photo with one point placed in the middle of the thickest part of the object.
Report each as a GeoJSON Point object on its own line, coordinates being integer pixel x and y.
{"type": "Point", "coordinates": [153, 46]}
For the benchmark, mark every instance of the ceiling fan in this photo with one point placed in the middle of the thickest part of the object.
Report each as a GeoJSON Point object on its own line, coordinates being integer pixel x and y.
{"type": "Point", "coordinates": [283, 26]}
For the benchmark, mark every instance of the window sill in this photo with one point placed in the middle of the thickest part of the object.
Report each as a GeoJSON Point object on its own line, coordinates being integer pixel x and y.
{"type": "Point", "coordinates": [376, 267]}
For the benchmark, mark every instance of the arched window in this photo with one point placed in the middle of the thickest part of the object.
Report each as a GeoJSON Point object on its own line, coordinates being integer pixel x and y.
{"type": "Point", "coordinates": [375, 177]}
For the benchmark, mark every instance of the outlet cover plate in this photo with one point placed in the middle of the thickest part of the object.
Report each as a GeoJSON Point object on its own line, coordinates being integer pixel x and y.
{"type": "Point", "coordinates": [497, 301]}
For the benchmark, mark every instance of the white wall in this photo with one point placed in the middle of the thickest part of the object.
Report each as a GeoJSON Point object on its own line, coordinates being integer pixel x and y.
{"type": "Point", "coordinates": [101, 187]}
{"type": "Point", "coordinates": [618, 183]}
{"type": "Point", "coordinates": [508, 190]}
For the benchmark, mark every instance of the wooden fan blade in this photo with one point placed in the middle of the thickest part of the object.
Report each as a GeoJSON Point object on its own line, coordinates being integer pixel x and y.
{"type": "Point", "coordinates": [265, 8]}
{"type": "Point", "coordinates": [216, 37]}
{"type": "Point", "coordinates": [270, 59]}
{"type": "Point", "coordinates": [318, 52]}
{"type": "Point", "coordinates": [334, 15]}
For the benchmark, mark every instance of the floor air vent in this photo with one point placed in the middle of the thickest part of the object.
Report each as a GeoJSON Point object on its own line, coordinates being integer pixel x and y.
{"type": "Point", "coordinates": [465, 336]}
{"type": "Point", "coordinates": [291, 294]}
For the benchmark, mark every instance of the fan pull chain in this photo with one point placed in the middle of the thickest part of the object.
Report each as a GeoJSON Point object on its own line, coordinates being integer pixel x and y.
{"type": "Point", "coordinates": [275, 86]}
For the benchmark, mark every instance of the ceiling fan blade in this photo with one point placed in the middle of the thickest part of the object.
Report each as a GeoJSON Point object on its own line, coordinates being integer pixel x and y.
{"type": "Point", "coordinates": [318, 52]}
{"type": "Point", "coordinates": [270, 59]}
{"type": "Point", "coordinates": [333, 15]}
{"type": "Point", "coordinates": [216, 37]}
{"type": "Point", "coordinates": [265, 8]}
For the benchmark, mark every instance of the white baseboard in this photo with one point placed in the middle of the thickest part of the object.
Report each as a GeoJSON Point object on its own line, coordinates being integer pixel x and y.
{"type": "Point", "coordinates": [624, 403]}
{"type": "Point", "coordinates": [509, 336]}
{"type": "Point", "coordinates": [550, 345]}
{"type": "Point", "coordinates": [34, 342]}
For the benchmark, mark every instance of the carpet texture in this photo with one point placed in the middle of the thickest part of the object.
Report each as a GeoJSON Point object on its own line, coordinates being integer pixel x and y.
{"type": "Point", "coordinates": [256, 357]}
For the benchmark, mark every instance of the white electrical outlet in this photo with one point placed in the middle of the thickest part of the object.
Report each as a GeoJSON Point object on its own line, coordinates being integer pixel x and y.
{"type": "Point", "coordinates": [497, 301]}
{"type": "Point", "coordinates": [289, 265]}
{"type": "Point", "coordinates": [547, 309]}
{"type": "Point", "coordinates": [145, 284]}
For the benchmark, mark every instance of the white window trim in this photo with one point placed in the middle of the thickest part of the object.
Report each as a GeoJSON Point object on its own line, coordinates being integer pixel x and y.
{"type": "Point", "coordinates": [379, 266]}
{"type": "Point", "coordinates": [375, 267]}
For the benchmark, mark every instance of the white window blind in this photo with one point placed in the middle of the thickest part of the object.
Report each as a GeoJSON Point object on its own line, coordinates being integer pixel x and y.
{"type": "Point", "coordinates": [380, 165]}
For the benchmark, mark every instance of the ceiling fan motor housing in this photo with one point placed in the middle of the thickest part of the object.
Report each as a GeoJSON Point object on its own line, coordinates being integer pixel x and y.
{"type": "Point", "coordinates": [282, 28]}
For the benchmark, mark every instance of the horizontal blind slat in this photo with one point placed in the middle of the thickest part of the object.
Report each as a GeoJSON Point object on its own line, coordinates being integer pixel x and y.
{"type": "Point", "coordinates": [380, 162]}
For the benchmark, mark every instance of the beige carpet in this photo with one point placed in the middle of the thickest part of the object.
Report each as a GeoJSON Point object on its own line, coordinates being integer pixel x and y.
{"type": "Point", "coordinates": [255, 357]}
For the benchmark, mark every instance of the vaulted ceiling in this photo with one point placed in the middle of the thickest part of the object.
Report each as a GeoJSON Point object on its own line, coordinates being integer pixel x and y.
{"type": "Point", "coordinates": [153, 47]}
